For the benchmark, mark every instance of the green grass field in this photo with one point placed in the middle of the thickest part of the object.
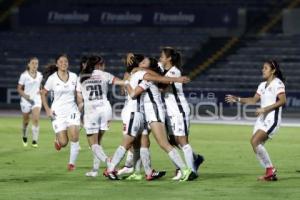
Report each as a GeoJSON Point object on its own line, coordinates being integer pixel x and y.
{"type": "Point", "coordinates": [229, 172]}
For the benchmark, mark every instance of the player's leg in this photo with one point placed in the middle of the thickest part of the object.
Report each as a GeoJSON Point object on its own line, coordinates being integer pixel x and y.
{"type": "Point", "coordinates": [73, 132]}
{"type": "Point", "coordinates": [35, 125]}
{"type": "Point", "coordinates": [26, 118]}
{"type": "Point", "coordinates": [160, 135]}
{"type": "Point", "coordinates": [257, 141]}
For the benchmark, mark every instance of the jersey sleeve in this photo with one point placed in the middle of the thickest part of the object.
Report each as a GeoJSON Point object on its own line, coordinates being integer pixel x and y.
{"type": "Point", "coordinates": [49, 84]}
{"type": "Point", "coordinates": [22, 80]}
{"type": "Point", "coordinates": [279, 88]}
{"type": "Point", "coordinates": [110, 78]}
{"type": "Point", "coordinates": [259, 90]}
{"type": "Point", "coordinates": [78, 85]}
{"type": "Point", "coordinates": [144, 84]}
{"type": "Point", "coordinates": [173, 73]}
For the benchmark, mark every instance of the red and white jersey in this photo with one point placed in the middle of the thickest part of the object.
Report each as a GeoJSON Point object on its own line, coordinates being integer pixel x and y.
{"type": "Point", "coordinates": [31, 85]}
{"type": "Point", "coordinates": [63, 93]}
{"type": "Point", "coordinates": [94, 89]}
{"type": "Point", "coordinates": [174, 97]}
{"type": "Point", "coordinates": [135, 105]}
{"type": "Point", "coordinates": [268, 94]}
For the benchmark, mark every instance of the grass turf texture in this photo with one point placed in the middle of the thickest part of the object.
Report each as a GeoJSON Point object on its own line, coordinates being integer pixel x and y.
{"type": "Point", "coordinates": [229, 172]}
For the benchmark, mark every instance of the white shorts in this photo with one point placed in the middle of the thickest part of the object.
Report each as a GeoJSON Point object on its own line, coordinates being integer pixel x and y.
{"type": "Point", "coordinates": [97, 120]}
{"type": "Point", "coordinates": [178, 125]}
{"type": "Point", "coordinates": [27, 107]}
{"type": "Point", "coordinates": [268, 125]}
{"type": "Point", "coordinates": [154, 113]}
{"type": "Point", "coordinates": [133, 123]}
{"type": "Point", "coordinates": [61, 123]}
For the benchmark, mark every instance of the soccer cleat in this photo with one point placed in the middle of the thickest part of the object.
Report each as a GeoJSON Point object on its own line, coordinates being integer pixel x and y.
{"type": "Point", "coordinates": [71, 167]}
{"type": "Point", "coordinates": [92, 174]}
{"type": "Point", "coordinates": [111, 175]}
{"type": "Point", "coordinates": [25, 144]}
{"type": "Point", "coordinates": [198, 161]}
{"type": "Point", "coordinates": [134, 177]}
{"type": "Point", "coordinates": [34, 144]}
{"type": "Point", "coordinates": [178, 175]}
{"type": "Point", "coordinates": [155, 175]}
{"type": "Point", "coordinates": [57, 145]}
{"type": "Point", "coordinates": [193, 176]}
{"type": "Point", "coordinates": [269, 176]}
{"type": "Point", "coordinates": [125, 170]}
{"type": "Point", "coordinates": [186, 174]}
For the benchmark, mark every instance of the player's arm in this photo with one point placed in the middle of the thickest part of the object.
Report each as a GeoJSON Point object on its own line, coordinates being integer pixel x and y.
{"type": "Point", "coordinates": [249, 100]}
{"type": "Point", "coordinates": [281, 101]}
{"type": "Point", "coordinates": [44, 95]}
{"type": "Point", "coordinates": [155, 77]}
{"type": "Point", "coordinates": [20, 89]}
{"type": "Point", "coordinates": [118, 81]}
{"type": "Point", "coordinates": [79, 99]}
{"type": "Point", "coordinates": [134, 92]}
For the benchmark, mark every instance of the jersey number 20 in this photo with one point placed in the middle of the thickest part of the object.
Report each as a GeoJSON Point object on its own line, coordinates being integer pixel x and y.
{"type": "Point", "coordinates": [95, 92]}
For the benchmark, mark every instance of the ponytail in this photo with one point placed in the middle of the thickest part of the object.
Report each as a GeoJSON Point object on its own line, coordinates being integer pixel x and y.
{"type": "Point", "coordinates": [278, 72]}
{"type": "Point", "coordinates": [92, 61]}
{"type": "Point", "coordinates": [49, 70]}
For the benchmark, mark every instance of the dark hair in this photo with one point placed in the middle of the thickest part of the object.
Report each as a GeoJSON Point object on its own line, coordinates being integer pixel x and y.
{"type": "Point", "coordinates": [154, 66]}
{"type": "Point", "coordinates": [137, 58]}
{"type": "Point", "coordinates": [61, 55]}
{"type": "Point", "coordinates": [50, 69]}
{"type": "Point", "coordinates": [274, 65]}
{"type": "Point", "coordinates": [90, 67]}
{"type": "Point", "coordinates": [175, 56]}
{"type": "Point", "coordinates": [29, 60]}
{"type": "Point", "coordinates": [82, 63]}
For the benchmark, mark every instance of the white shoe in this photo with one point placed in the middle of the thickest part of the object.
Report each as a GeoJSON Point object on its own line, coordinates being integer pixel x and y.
{"type": "Point", "coordinates": [91, 174]}
{"type": "Point", "coordinates": [178, 175]}
{"type": "Point", "coordinates": [125, 170]}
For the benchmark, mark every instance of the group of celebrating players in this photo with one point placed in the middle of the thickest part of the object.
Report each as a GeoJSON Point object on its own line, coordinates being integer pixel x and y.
{"type": "Point", "coordinates": [154, 103]}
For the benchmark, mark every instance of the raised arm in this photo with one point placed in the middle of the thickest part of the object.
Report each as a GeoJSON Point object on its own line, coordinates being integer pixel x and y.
{"type": "Point", "coordinates": [249, 100]}
{"type": "Point", "coordinates": [155, 77]}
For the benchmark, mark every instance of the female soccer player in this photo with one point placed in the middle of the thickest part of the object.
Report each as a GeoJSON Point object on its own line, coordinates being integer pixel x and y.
{"type": "Point", "coordinates": [92, 96]}
{"type": "Point", "coordinates": [271, 94]}
{"type": "Point", "coordinates": [29, 89]}
{"type": "Point", "coordinates": [178, 111]}
{"type": "Point", "coordinates": [64, 112]}
{"type": "Point", "coordinates": [150, 96]}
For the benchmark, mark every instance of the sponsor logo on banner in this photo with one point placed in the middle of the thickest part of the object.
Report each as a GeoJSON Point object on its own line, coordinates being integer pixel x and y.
{"type": "Point", "coordinates": [121, 18]}
{"type": "Point", "coordinates": [55, 17]}
{"type": "Point", "coordinates": [174, 18]}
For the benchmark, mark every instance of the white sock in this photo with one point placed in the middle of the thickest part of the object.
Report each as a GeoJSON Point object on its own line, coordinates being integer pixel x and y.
{"type": "Point", "coordinates": [117, 157]}
{"type": "Point", "coordinates": [188, 155]}
{"type": "Point", "coordinates": [136, 160]}
{"type": "Point", "coordinates": [35, 133]}
{"type": "Point", "coordinates": [263, 155]}
{"type": "Point", "coordinates": [25, 130]}
{"type": "Point", "coordinates": [175, 157]}
{"type": "Point", "coordinates": [129, 159]}
{"type": "Point", "coordinates": [96, 163]}
{"type": "Point", "coordinates": [99, 153]}
{"type": "Point", "coordinates": [74, 151]}
{"type": "Point", "coordinates": [146, 160]}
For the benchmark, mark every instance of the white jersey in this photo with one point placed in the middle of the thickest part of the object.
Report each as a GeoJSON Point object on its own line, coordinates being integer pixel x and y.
{"type": "Point", "coordinates": [151, 98]}
{"type": "Point", "coordinates": [135, 105]}
{"type": "Point", "coordinates": [94, 90]}
{"type": "Point", "coordinates": [268, 96]}
{"type": "Point", "coordinates": [174, 97]}
{"type": "Point", "coordinates": [63, 94]}
{"type": "Point", "coordinates": [31, 86]}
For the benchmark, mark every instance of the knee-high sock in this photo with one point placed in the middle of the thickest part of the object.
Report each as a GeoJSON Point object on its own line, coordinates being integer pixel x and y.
{"type": "Point", "coordinates": [146, 160]}
{"type": "Point", "coordinates": [117, 157]}
{"type": "Point", "coordinates": [99, 153]}
{"type": "Point", "coordinates": [74, 151]}
{"type": "Point", "coordinates": [175, 157]}
{"type": "Point", "coordinates": [188, 155]}
{"type": "Point", "coordinates": [129, 159]}
{"type": "Point", "coordinates": [35, 133]}
{"type": "Point", "coordinates": [263, 155]}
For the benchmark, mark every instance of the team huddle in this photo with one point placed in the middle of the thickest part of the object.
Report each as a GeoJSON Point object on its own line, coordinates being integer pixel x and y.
{"type": "Point", "coordinates": [155, 103]}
